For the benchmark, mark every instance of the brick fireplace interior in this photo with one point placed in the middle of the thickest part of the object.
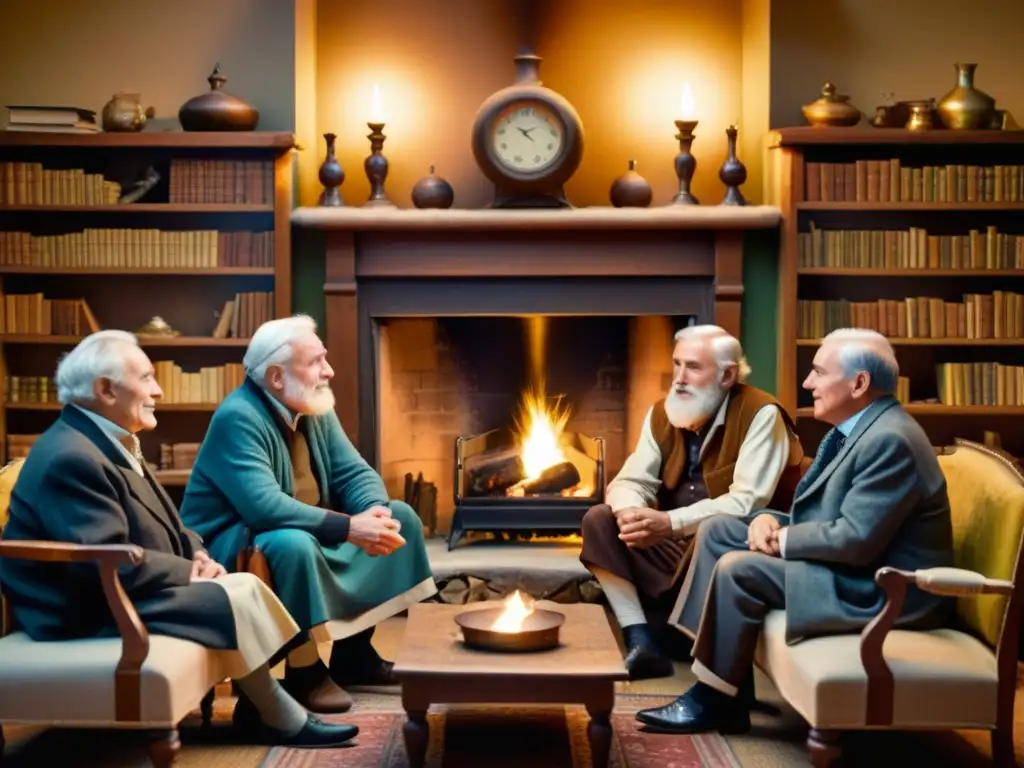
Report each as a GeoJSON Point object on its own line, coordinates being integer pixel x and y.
{"type": "Point", "coordinates": [444, 377]}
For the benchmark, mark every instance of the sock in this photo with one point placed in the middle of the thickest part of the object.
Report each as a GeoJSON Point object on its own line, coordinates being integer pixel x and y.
{"type": "Point", "coordinates": [306, 655]}
{"type": "Point", "coordinates": [277, 709]}
{"type": "Point", "coordinates": [622, 597]}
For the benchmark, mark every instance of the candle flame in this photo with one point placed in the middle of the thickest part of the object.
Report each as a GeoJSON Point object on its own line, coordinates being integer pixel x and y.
{"type": "Point", "coordinates": [687, 107]}
{"type": "Point", "coordinates": [516, 612]}
{"type": "Point", "coordinates": [376, 110]}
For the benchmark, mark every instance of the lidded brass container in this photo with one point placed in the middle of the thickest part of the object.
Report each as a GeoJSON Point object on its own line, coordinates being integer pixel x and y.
{"type": "Point", "coordinates": [831, 109]}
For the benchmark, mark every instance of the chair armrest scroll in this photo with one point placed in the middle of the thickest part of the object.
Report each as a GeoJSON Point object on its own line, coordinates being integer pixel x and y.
{"type": "Point", "coordinates": [957, 582]}
{"type": "Point", "coordinates": [135, 638]}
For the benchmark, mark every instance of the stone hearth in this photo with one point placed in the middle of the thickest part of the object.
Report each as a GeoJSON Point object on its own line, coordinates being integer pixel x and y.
{"type": "Point", "coordinates": [410, 294]}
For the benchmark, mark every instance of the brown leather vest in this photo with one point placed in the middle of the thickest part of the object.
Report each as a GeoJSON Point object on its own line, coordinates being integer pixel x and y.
{"type": "Point", "coordinates": [723, 447]}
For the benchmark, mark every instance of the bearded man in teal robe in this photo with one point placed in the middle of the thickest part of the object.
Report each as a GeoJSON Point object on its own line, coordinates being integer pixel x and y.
{"type": "Point", "coordinates": [277, 471]}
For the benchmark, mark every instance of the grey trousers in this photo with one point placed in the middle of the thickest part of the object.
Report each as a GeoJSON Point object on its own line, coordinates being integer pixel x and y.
{"type": "Point", "coordinates": [727, 593]}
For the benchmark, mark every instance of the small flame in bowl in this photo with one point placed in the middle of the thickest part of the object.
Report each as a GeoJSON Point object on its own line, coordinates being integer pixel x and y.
{"type": "Point", "coordinates": [516, 611]}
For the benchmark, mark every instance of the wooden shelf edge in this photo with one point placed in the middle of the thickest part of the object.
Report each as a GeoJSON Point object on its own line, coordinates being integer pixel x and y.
{"type": "Point", "coordinates": [54, 406]}
{"type": "Point", "coordinates": [816, 205]}
{"type": "Point", "coordinates": [806, 135]}
{"type": "Point", "coordinates": [145, 341]}
{"type": "Point", "coordinates": [934, 409]}
{"type": "Point", "coordinates": [133, 272]}
{"type": "Point", "coordinates": [142, 208]}
{"type": "Point", "coordinates": [281, 141]}
{"type": "Point", "coordinates": [952, 342]}
{"type": "Point", "coordinates": [897, 272]}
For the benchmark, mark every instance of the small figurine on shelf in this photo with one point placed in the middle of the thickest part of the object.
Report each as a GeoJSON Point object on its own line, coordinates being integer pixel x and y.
{"type": "Point", "coordinates": [631, 190]}
{"type": "Point", "coordinates": [157, 327]}
{"type": "Point", "coordinates": [331, 176]}
{"type": "Point", "coordinates": [432, 192]}
{"type": "Point", "coordinates": [733, 173]}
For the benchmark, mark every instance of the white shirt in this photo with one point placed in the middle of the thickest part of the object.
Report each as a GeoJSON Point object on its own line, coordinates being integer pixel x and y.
{"type": "Point", "coordinates": [761, 460]}
{"type": "Point", "coordinates": [116, 435]}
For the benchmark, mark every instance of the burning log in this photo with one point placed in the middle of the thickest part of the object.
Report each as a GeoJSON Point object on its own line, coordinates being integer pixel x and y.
{"type": "Point", "coordinates": [495, 472]}
{"type": "Point", "coordinates": [554, 479]}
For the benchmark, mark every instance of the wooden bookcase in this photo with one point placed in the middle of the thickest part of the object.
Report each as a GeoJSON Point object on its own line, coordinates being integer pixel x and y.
{"type": "Point", "coordinates": [919, 195]}
{"type": "Point", "coordinates": [172, 254]}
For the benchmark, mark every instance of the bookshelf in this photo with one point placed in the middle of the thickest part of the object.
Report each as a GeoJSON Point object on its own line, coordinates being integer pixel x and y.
{"type": "Point", "coordinates": [213, 229]}
{"type": "Point", "coordinates": [917, 235]}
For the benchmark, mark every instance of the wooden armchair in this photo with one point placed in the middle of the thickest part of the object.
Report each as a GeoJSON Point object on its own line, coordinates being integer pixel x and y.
{"type": "Point", "coordinates": [962, 677]}
{"type": "Point", "coordinates": [134, 681]}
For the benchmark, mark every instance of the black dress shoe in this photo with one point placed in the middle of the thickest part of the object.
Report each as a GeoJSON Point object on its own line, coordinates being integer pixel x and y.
{"type": "Point", "coordinates": [699, 710]}
{"type": "Point", "coordinates": [313, 735]}
{"type": "Point", "coordinates": [314, 689]}
{"type": "Point", "coordinates": [643, 659]}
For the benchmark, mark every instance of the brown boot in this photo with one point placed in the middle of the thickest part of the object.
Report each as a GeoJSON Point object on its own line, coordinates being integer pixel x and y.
{"type": "Point", "coordinates": [314, 689]}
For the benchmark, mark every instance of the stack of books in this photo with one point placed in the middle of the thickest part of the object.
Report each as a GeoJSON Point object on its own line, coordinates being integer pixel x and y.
{"type": "Point", "coordinates": [51, 119]}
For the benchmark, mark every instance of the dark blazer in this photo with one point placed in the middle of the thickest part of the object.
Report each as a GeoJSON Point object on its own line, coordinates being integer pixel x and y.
{"type": "Point", "coordinates": [77, 486]}
{"type": "Point", "coordinates": [881, 501]}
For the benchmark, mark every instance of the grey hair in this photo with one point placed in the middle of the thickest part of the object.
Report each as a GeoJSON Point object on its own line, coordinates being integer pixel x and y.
{"type": "Point", "coordinates": [869, 351]}
{"type": "Point", "coordinates": [724, 346]}
{"type": "Point", "coordinates": [94, 357]}
{"type": "Point", "coordinates": [273, 344]}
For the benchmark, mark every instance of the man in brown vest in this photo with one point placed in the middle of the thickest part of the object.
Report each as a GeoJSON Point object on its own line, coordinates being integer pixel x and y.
{"type": "Point", "coordinates": [712, 446]}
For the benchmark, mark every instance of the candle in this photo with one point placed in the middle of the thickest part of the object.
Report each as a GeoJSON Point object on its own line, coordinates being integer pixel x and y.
{"type": "Point", "coordinates": [376, 111]}
{"type": "Point", "coordinates": [686, 107]}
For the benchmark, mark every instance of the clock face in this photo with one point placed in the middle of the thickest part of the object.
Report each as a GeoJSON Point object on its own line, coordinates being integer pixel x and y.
{"type": "Point", "coordinates": [527, 137]}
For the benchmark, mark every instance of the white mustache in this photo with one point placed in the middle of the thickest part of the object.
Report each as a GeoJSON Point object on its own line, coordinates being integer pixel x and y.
{"type": "Point", "coordinates": [685, 390]}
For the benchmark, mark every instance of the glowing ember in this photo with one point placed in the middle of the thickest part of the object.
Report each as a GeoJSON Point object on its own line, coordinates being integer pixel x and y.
{"type": "Point", "coordinates": [540, 426]}
{"type": "Point", "coordinates": [515, 613]}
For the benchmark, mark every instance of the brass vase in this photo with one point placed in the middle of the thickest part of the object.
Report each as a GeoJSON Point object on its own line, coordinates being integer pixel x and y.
{"type": "Point", "coordinates": [965, 107]}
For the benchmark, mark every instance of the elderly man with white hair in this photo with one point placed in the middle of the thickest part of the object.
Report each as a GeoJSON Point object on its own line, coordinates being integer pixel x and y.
{"type": "Point", "coordinates": [85, 482]}
{"type": "Point", "coordinates": [874, 497]}
{"type": "Point", "coordinates": [713, 446]}
{"type": "Point", "coordinates": [277, 470]}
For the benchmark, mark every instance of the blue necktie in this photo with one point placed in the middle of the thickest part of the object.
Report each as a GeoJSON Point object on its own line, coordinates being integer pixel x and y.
{"type": "Point", "coordinates": [827, 451]}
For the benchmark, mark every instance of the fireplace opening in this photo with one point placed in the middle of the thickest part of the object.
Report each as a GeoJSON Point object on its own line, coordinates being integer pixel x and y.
{"type": "Point", "coordinates": [515, 423]}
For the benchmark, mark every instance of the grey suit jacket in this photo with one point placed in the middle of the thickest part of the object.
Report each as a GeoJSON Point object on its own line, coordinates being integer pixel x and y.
{"type": "Point", "coordinates": [881, 501]}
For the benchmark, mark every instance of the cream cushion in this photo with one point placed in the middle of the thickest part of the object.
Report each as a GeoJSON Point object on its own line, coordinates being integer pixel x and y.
{"type": "Point", "coordinates": [944, 678]}
{"type": "Point", "coordinates": [71, 683]}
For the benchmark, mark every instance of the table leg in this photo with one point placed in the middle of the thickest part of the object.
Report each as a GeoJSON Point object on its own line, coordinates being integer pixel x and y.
{"type": "Point", "coordinates": [599, 733]}
{"type": "Point", "coordinates": [417, 736]}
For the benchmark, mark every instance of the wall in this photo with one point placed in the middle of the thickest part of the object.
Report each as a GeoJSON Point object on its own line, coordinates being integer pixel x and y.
{"type": "Point", "coordinates": [80, 53]}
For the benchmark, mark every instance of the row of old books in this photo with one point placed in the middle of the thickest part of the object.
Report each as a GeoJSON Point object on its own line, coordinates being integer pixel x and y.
{"type": "Point", "coordinates": [18, 446]}
{"type": "Point", "coordinates": [48, 119]}
{"type": "Point", "coordinates": [32, 184]}
{"type": "Point", "coordinates": [30, 389]}
{"type": "Point", "coordinates": [178, 455]}
{"type": "Point", "coordinates": [210, 384]}
{"type": "Point", "coordinates": [34, 313]}
{"type": "Point", "coordinates": [992, 384]}
{"type": "Point", "coordinates": [888, 181]}
{"type": "Point", "coordinates": [231, 182]}
{"type": "Point", "coordinates": [913, 248]}
{"type": "Point", "coordinates": [241, 316]}
{"type": "Point", "coordinates": [138, 249]}
{"type": "Point", "coordinates": [999, 315]}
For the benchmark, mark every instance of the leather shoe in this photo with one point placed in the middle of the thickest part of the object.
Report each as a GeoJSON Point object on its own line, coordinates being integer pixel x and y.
{"type": "Point", "coordinates": [371, 673]}
{"type": "Point", "coordinates": [644, 660]}
{"type": "Point", "coordinates": [315, 734]}
{"type": "Point", "coordinates": [699, 710]}
{"type": "Point", "coordinates": [314, 689]}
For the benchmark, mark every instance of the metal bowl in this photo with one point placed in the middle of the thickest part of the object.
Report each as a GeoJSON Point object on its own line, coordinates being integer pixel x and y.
{"type": "Point", "coordinates": [539, 633]}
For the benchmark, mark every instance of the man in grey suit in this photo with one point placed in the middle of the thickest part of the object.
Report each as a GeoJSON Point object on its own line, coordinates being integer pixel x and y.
{"type": "Point", "coordinates": [875, 496]}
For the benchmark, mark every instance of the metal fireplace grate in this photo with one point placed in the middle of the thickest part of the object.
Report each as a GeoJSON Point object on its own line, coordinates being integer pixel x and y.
{"type": "Point", "coordinates": [484, 506]}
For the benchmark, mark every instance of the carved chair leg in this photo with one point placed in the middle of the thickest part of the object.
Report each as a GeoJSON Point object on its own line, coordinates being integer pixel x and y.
{"type": "Point", "coordinates": [2, 742]}
{"type": "Point", "coordinates": [163, 752]}
{"type": "Point", "coordinates": [1002, 748]}
{"type": "Point", "coordinates": [824, 747]}
{"type": "Point", "coordinates": [206, 707]}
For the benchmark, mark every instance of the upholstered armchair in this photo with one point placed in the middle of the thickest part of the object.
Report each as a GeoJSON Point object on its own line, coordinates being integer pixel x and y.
{"type": "Point", "coordinates": [133, 681]}
{"type": "Point", "coordinates": [960, 677]}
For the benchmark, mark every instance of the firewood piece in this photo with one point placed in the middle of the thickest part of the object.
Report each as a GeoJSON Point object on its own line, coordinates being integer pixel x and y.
{"type": "Point", "coordinates": [553, 479]}
{"type": "Point", "coordinates": [491, 474]}
{"type": "Point", "coordinates": [427, 509]}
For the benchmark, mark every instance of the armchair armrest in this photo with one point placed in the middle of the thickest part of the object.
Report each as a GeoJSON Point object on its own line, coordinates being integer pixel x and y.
{"type": "Point", "coordinates": [135, 638]}
{"type": "Point", "coordinates": [950, 582]}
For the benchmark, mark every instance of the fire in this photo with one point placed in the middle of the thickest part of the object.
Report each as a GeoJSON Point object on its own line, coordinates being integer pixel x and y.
{"type": "Point", "coordinates": [516, 612]}
{"type": "Point", "coordinates": [540, 426]}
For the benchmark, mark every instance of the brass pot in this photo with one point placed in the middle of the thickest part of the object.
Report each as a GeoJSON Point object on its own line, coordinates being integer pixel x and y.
{"type": "Point", "coordinates": [831, 109]}
{"type": "Point", "coordinates": [217, 110]}
{"type": "Point", "coordinates": [922, 115]}
{"type": "Point", "coordinates": [124, 113]}
{"type": "Point", "coordinates": [965, 107]}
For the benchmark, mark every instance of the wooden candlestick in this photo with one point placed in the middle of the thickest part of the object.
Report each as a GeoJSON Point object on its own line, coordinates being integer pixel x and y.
{"type": "Point", "coordinates": [376, 166]}
{"type": "Point", "coordinates": [733, 173]}
{"type": "Point", "coordinates": [331, 176]}
{"type": "Point", "coordinates": [686, 163]}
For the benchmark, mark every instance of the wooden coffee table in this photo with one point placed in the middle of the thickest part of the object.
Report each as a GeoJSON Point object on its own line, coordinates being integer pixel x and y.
{"type": "Point", "coordinates": [435, 667]}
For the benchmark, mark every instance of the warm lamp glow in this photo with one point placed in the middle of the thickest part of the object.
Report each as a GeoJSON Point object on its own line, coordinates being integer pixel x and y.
{"type": "Point", "coordinates": [376, 110]}
{"type": "Point", "coordinates": [686, 108]}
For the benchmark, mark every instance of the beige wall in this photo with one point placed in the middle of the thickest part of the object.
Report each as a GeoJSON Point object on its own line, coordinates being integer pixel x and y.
{"type": "Point", "coordinates": [83, 51]}
{"type": "Point", "coordinates": [869, 48]}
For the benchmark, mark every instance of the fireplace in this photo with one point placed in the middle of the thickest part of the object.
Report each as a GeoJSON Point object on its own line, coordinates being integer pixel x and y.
{"type": "Point", "coordinates": [433, 316]}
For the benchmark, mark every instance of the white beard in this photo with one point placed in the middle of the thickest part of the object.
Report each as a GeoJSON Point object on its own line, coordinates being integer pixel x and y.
{"type": "Point", "coordinates": [315, 400]}
{"type": "Point", "coordinates": [695, 410]}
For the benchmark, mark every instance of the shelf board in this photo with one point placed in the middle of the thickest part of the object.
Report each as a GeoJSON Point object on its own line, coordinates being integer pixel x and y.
{"type": "Point", "coordinates": [197, 407]}
{"type": "Point", "coordinates": [145, 341]}
{"type": "Point", "coordinates": [897, 272]}
{"type": "Point", "coordinates": [153, 139]}
{"type": "Point", "coordinates": [805, 135]}
{"type": "Point", "coordinates": [818, 205]}
{"type": "Point", "coordinates": [952, 342]}
{"type": "Point", "coordinates": [172, 477]}
{"type": "Point", "coordinates": [136, 271]}
{"type": "Point", "coordinates": [936, 409]}
{"type": "Point", "coordinates": [142, 208]}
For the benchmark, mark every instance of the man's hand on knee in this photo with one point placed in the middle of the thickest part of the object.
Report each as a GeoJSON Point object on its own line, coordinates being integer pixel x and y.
{"type": "Point", "coordinates": [375, 533]}
{"type": "Point", "coordinates": [641, 527]}
{"type": "Point", "coordinates": [762, 535]}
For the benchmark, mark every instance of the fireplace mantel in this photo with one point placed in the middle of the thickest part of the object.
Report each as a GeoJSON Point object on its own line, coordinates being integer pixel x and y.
{"type": "Point", "coordinates": [381, 257]}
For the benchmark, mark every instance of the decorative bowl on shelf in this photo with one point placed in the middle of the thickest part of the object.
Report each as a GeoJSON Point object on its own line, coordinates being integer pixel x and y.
{"type": "Point", "coordinates": [831, 109]}
{"type": "Point", "coordinates": [156, 327]}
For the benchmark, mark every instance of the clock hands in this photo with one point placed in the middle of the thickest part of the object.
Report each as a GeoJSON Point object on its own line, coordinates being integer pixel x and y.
{"type": "Point", "coordinates": [526, 131]}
